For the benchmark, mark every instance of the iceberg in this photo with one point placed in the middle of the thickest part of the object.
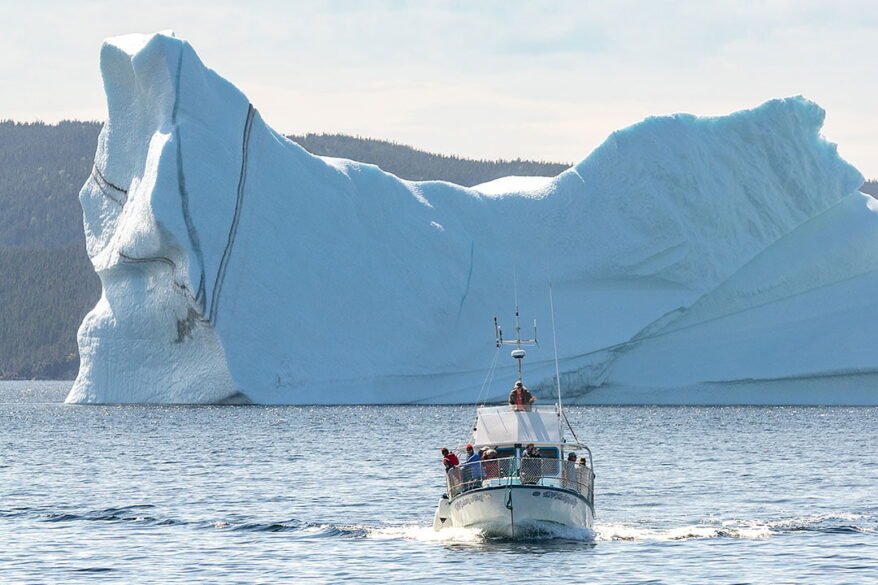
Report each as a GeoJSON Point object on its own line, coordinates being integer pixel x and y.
{"type": "Point", "coordinates": [693, 260]}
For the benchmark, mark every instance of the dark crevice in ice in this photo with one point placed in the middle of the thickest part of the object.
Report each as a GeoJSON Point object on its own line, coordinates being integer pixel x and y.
{"type": "Point", "coordinates": [184, 193]}
{"type": "Point", "coordinates": [103, 184]}
{"type": "Point", "coordinates": [233, 230]}
{"type": "Point", "coordinates": [469, 278]}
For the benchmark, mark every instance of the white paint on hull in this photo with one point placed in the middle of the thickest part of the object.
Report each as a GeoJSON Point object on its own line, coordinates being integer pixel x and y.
{"type": "Point", "coordinates": [506, 511]}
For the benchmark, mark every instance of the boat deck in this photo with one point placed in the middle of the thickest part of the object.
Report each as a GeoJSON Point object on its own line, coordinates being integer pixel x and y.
{"type": "Point", "coordinates": [536, 471]}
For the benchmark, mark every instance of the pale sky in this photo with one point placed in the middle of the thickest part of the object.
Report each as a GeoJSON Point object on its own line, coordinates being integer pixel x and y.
{"type": "Point", "coordinates": [541, 80]}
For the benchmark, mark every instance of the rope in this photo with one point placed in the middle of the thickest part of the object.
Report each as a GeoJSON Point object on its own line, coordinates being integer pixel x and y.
{"type": "Point", "coordinates": [555, 345]}
{"type": "Point", "coordinates": [510, 507]}
{"type": "Point", "coordinates": [489, 377]}
{"type": "Point", "coordinates": [572, 432]}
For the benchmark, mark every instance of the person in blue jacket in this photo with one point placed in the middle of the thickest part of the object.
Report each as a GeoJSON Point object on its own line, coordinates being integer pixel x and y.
{"type": "Point", "coordinates": [473, 472]}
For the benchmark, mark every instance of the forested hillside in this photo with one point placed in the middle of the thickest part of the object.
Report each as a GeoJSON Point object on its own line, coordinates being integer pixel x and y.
{"type": "Point", "coordinates": [44, 294]}
{"type": "Point", "coordinates": [870, 188]}
{"type": "Point", "coordinates": [42, 168]}
{"type": "Point", "coordinates": [417, 165]}
{"type": "Point", "coordinates": [46, 282]}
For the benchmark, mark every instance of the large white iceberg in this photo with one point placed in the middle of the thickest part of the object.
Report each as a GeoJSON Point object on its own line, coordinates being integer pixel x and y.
{"type": "Point", "coordinates": [707, 260]}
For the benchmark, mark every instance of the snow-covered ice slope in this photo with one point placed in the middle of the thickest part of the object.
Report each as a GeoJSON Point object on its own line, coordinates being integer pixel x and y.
{"type": "Point", "coordinates": [705, 260]}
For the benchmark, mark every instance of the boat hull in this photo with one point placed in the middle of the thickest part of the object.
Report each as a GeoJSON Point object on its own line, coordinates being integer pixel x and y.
{"type": "Point", "coordinates": [518, 510]}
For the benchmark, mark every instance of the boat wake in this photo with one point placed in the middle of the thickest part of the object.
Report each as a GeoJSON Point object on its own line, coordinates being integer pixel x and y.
{"type": "Point", "coordinates": [745, 529]}
{"type": "Point", "coordinates": [475, 535]}
{"type": "Point", "coordinates": [830, 523]}
{"type": "Point", "coordinates": [622, 532]}
{"type": "Point", "coordinates": [427, 534]}
{"type": "Point", "coordinates": [145, 515]}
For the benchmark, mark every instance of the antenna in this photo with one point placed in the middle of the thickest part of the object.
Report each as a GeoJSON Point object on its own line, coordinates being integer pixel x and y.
{"type": "Point", "coordinates": [517, 324]}
{"type": "Point", "coordinates": [518, 353]}
{"type": "Point", "coordinates": [555, 343]}
{"type": "Point", "coordinates": [515, 286]}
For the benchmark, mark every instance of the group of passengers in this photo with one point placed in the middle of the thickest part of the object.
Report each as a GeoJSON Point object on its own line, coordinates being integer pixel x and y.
{"type": "Point", "coordinates": [483, 464]}
{"type": "Point", "coordinates": [450, 459]}
{"type": "Point", "coordinates": [484, 454]}
{"type": "Point", "coordinates": [477, 466]}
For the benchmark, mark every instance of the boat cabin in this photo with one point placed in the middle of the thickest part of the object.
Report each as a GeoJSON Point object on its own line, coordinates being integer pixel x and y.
{"type": "Point", "coordinates": [506, 427]}
{"type": "Point", "coordinates": [508, 431]}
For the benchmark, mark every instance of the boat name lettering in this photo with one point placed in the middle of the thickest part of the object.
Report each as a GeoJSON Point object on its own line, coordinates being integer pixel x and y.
{"type": "Point", "coordinates": [559, 496]}
{"type": "Point", "coordinates": [462, 503]}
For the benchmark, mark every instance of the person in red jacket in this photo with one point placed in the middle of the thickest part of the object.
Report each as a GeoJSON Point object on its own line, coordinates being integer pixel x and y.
{"type": "Point", "coordinates": [449, 459]}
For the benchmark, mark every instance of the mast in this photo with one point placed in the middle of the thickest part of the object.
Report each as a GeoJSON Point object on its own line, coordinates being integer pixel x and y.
{"type": "Point", "coordinates": [518, 353]}
{"type": "Point", "coordinates": [555, 344]}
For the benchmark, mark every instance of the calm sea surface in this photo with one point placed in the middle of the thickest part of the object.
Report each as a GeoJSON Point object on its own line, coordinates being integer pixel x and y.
{"type": "Point", "coordinates": [147, 494]}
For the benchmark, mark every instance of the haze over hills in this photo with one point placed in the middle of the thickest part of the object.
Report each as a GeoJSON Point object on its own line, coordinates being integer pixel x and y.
{"type": "Point", "coordinates": [47, 283]}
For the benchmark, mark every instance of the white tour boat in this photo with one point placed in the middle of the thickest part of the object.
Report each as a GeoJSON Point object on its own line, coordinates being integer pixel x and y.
{"type": "Point", "coordinates": [514, 493]}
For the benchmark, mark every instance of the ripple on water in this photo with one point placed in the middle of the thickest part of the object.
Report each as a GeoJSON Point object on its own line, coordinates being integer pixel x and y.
{"type": "Point", "coordinates": [333, 494]}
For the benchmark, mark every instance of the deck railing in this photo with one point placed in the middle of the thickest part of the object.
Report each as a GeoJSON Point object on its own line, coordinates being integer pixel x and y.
{"type": "Point", "coordinates": [521, 471]}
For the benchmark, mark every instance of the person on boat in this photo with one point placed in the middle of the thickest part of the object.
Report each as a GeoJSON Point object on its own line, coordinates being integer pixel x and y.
{"type": "Point", "coordinates": [520, 398]}
{"type": "Point", "coordinates": [531, 467]}
{"type": "Point", "coordinates": [449, 459]}
{"type": "Point", "coordinates": [472, 471]}
{"type": "Point", "coordinates": [490, 465]}
{"type": "Point", "coordinates": [570, 472]}
{"type": "Point", "coordinates": [583, 476]}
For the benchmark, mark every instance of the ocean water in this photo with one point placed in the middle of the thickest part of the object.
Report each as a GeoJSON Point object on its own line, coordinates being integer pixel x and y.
{"type": "Point", "coordinates": [246, 494]}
